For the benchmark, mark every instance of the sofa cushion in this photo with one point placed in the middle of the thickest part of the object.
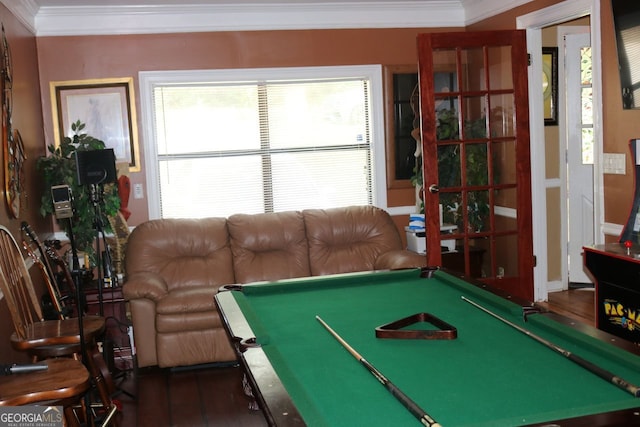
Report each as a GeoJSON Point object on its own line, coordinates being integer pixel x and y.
{"type": "Point", "coordinates": [268, 246]}
{"type": "Point", "coordinates": [344, 240]}
{"type": "Point", "coordinates": [187, 321]}
{"type": "Point", "coordinates": [197, 299]}
{"type": "Point", "coordinates": [190, 309]}
{"type": "Point", "coordinates": [187, 348]}
{"type": "Point", "coordinates": [184, 252]}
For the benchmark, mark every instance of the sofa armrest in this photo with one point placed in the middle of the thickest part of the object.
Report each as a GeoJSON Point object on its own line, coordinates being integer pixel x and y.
{"type": "Point", "coordinates": [144, 290]}
{"type": "Point", "coordinates": [399, 259]}
{"type": "Point", "coordinates": [145, 285]}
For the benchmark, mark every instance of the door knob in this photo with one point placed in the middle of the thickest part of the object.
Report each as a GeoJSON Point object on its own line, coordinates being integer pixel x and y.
{"type": "Point", "coordinates": [433, 189]}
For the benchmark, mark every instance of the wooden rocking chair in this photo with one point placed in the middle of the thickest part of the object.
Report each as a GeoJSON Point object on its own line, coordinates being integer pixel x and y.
{"type": "Point", "coordinates": [63, 304]}
{"type": "Point", "coordinates": [45, 339]}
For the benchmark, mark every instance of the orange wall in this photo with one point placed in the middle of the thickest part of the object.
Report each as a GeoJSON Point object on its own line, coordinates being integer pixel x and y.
{"type": "Point", "coordinates": [619, 126]}
{"type": "Point", "coordinates": [27, 118]}
{"type": "Point", "coordinates": [123, 56]}
{"type": "Point", "coordinates": [39, 61]}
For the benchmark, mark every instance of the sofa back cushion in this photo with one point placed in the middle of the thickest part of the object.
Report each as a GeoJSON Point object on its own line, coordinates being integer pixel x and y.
{"type": "Point", "coordinates": [345, 240]}
{"type": "Point", "coordinates": [268, 246]}
{"type": "Point", "coordinates": [185, 252]}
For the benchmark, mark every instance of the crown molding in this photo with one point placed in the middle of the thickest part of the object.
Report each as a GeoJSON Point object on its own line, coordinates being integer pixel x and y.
{"type": "Point", "coordinates": [477, 10]}
{"type": "Point", "coordinates": [243, 16]}
{"type": "Point", "coordinates": [25, 11]}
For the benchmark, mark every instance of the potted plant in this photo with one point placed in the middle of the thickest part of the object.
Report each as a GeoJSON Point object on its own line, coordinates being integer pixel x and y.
{"type": "Point", "coordinates": [59, 168]}
{"type": "Point", "coordinates": [447, 128]}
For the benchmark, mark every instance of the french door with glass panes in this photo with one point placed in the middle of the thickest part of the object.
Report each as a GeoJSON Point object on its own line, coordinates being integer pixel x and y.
{"type": "Point", "coordinates": [476, 157]}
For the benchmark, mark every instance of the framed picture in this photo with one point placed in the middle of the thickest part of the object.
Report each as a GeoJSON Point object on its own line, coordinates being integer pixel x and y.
{"type": "Point", "coordinates": [550, 85]}
{"type": "Point", "coordinates": [400, 83]}
{"type": "Point", "coordinates": [106, 107]}
{"type": "Point", "coordinates": [402, 121]}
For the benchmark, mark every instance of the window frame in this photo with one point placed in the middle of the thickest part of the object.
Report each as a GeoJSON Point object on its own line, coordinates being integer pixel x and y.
{"type": "Point", "coordinates": [149, 80]}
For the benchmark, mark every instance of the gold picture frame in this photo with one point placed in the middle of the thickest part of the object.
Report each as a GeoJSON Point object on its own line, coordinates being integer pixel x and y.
{"type": "Point", "coordinates": [106, 107]}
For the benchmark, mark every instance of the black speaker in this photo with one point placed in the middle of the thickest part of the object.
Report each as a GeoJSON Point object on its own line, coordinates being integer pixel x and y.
{"type": "Point", "coordinates": [96, 166]}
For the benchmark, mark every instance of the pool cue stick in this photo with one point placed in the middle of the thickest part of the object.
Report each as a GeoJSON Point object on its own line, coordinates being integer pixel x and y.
{"type": "Point", "coordinates": [406, 401]}
{"type": "Point", "coordinates": [593, 368]}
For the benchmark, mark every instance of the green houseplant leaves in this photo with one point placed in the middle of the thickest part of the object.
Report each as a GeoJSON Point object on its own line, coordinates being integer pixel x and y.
{"type": "Point", "coordinates": [59, 168]}
{"type": "Point", "coordinates": [449, 165]}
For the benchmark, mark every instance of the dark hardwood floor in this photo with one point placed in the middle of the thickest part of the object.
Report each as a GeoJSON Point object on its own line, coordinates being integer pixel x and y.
{"type": "Point", "coordinates": [213, 396]}
{"type": "Point", "coordinates": [577, 304]}
{"type": "Point", "coordinates": [198, 397]}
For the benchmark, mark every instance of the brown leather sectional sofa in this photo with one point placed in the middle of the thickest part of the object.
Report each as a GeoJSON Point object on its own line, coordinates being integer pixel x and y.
{"type": "Point", "coordinates": [175, 266]}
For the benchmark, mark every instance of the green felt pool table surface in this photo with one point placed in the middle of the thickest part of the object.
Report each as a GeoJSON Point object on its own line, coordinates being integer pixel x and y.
{"type": "Point", "coordinates": [489, 375]}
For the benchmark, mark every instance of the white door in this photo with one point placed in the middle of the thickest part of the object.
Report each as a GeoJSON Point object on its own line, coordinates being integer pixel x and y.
{"type": "Point", "coordinates": [579, 130]}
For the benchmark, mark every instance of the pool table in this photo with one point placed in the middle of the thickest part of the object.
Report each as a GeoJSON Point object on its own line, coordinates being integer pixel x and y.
{"type": "Point", "coordinates": [487, 374]}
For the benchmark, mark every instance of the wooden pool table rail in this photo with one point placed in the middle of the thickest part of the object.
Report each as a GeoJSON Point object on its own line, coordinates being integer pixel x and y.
{"type": "Point", "coordinates": [279, 409]}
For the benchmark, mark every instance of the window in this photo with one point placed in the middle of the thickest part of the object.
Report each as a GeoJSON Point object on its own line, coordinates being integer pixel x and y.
{"type": "Point", "coordinates": [262, 140]}
{"type": "Point", "coordinates": [586, 95]}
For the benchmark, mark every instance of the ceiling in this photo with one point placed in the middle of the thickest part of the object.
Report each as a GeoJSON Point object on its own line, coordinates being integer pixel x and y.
{"type": "Point", "coordinates": [84, 17]}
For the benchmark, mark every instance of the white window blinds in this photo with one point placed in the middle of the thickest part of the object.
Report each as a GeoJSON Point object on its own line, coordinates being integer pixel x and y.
{"type": "Point", "coordinates": [225, 147]}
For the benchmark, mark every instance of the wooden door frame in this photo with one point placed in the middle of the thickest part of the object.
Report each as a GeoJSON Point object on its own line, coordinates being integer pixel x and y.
{"type": "Point", "coordinates": [533, 24]}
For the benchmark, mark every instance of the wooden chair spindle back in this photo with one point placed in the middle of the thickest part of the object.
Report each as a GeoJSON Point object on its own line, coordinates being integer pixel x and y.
{"type": "Point", "coordinates": [17, 286]}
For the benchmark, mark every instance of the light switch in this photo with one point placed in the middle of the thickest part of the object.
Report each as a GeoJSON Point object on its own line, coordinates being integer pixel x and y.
{"type": "Point", "coordinates": [138, 193]}
{"type": "Point", "coordinates": [614, 163]}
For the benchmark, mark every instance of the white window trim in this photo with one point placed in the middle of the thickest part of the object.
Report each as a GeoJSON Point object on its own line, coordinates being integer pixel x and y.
{"type": "Point", "coordinates": [150, 79]}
